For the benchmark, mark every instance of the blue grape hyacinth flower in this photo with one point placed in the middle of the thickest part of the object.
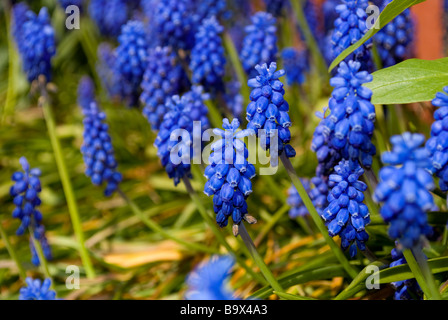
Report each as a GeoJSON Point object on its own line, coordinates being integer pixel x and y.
{"type": "Point", "coordinates": [205, 9]}
{"type": "Point", "coordinates": [296, 65]}
{"type": "Point", "coordinates": [268, 110]}
{"type": "Point", "coordinates": [298, 208]}
{"type": "Point", "coordinates": [405, 289]}
{"type": "Point", "coordinates": [35, 40]}
{"type": "Point", "coordinates": [260, 42]}
{"type": "Point", "coordinates": [37, 290]}
{"type": "Point", "coordinates": [350, 123]}
{"type": "Point", "coordinates": [274, 7]}
{"type": "Point", "coordinates": [394, 42]}
{"type": "Point", "coordinates": [131, 60]}
{"type": "Point", "coordinates": [86, 92]}
{"type": "Point", "coordinates": [105, 68]}
{"type": "Point", "coordinates": [437, 144]}
{"type": "Point", "coordinates": [404, 189]}
{"type": "Point", "coordinates": [319, 193]}
{"type": "Point", "coordinates": [65, 3]}
{"type": "Point", "coordinates": [346, 214]}
{"type": "Point", "coordinates": [97, 149]}
{"type": "Point", "coordinates": [210, 280]}
{"type": "Point", "coordinates": [207, 56]}
{"type": "Point", "coordinates": [229, 174]}
{"type": "Point", "coordinates": [25, 193]}
{"type": "Point", "coordinates": [162, 79]}
{"type": "Point", "coordinates": [109, 15]}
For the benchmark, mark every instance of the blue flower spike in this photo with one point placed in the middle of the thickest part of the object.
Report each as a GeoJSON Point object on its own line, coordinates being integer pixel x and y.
{"type": "Point", "coordinates": [37, 290]}
{"type": "Point", "coordinates": [404, 190]}
{"type": "Point", "coordinates": [229, 175]}
{"type": "Point", "coordinates": [298, 208]}
{"type": "Point", "coordinates": [109, 15]}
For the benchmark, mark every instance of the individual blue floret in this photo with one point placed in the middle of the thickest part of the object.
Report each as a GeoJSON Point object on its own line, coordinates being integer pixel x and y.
{"type": "Point", "coordinates": [229, 174]}
{"type": "Point", "coordinates": [210, 280]}
{"type": "Point", "coordinates": [296, 65]}
{"type": "Point", "coordinates": [37, 290]}
{"type": "Point", "coordinates": [207, 56]}
{"type": "Point", "coordinates": [162, 80]}
{"type": "Point", "coordinates": [404, 189]}
{"type": "Point", "coordinates": [346, 214]}
{"type": "Point", "coordinates": [298, 208]}
{"type": "Point", "coordinates": [260, 42]}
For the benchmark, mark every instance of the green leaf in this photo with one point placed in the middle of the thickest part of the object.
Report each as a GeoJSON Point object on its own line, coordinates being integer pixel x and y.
{"type": "Point", "coordinates": [288, 296]}
{"type": "Point", "coordinates": [410, 81]}
{"type": "Point", "coordinates": [392, 10]}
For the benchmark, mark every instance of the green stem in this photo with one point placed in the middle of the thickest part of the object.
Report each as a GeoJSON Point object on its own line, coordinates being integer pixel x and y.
{"type": "Point", "coordinates": [156, 228]}
{"type": "Point", "coordinates": [40, 254]}
{"type": "Point", "coordinates": [317, 219]}
{"type": "Point", "coordinates": [66, 183]}
{"type": "Point", "coordinates": [217, 232]}
{"type": "Point", "coordinates": [258, 259]}
{"type": "Point", "coordinates": [12, 252]}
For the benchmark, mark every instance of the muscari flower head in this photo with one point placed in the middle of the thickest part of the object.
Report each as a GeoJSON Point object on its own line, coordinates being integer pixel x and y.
{"type": "Point", "coordinates": [131, 60]}
{"type": "Point", "coordinates": [404, 289]}
{"type": "Point", "coordinates": [274, 7]}
{"type": "Point", "coordinates": [260, 42]}
{"type": "Point", "coordinates": [319, 193]}
{"type": "Point", "coordinates": [346, 214]}
{"type": "Point", "coordinates": [229, 175]}
{"type": "Point", "coordinates": [350, 124]}
{"type": "Point", "coordinates": [437, 144]}
{"type": "Point", "coordinates": [207, 56]}
{"type": "Point", "coordinates": [298, 208]}
{"type": "Point", "coordinates": [394, 42]}
{"type": "Point", "coordinates": [25, 192]}
{"type": "Point", "coordinates": [110, 80]}
{"type": "Point", "coordinates": [178, 120]}
{"type": "Point", "coordinates": [268, 110]}
{"type": "Point", "coordinates": [404, 189]}
{"type": "Point", "coordinates": [162, 79]}
{"type": "Point", "coordinates": [97, 149]}
{"type": "Point", "coordinates": [175, 23]}
{"type": "Point", "coordinates": [37, 290]}
{"type": "Point", "coordinates": [109, 15]}
{"type": "Point", "coordinates": [65, 3]}
{"type": "Point", "coordinates": [35, 40]}
{"type": "Point", "coordinates": [205, 9]}
{"type": "Point", "coordinates": [349, 27]}
{"type": "Point", "coordinates": [295, 63]}
{"type": "Point", "coordinates": [86, 92]}
{"type": "Point", "coordinates": [210, 280]}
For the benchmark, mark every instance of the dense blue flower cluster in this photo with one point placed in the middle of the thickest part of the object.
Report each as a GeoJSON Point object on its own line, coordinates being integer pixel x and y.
{"type": "Point", "coordinates": [209, 280]}
{"type": "Point", "coordinates": [109, 15]}
{"type": "Point", "coordinates": [394, 41]}
{"type": "Point", "coordinates": [205, 9]}
{"type": "Point", "coordinates": [97, 149]}
{"type": "Point", "coordinates": [274, 7]}
{"type": "Point", "coordinates": [349, 27]}
{"type": "Point", "coordinates": [35, 40]}
{"type": "Point", "coordinates": [268, 109]}
{"type": "Point", "coordinates": [86, 92]}
{"type": "Point", "coordinates": [37, 290]}
{"type": "Point", "coordinates": [404, 189]}
{"type": "Point", "coordinates": [65, 3]}
{"type": "Point", "coordinates": [319, 193]}
{"type": "Point", "coordinates": [437, 144]}
{"type": "Point", "coordinates": [207, 56]}
{"type": "Point", "coordinates": [105, 69]}
{"type": "Point", "coordinates": [405, 289]}
{"type": "Point", "coordinates": [350, 125]}
{"type": "Point", "coordinates": [260, 42]}
{"type": "Point", "coordinates": [131, 60]}
{"type": "Point", "coordinates": [298, 208]}
{"type": "Point", "coordinates": [175, 23]}
{"type": "Point", "coordinates": [296, 65]}
{"type": "Point", "coordinates": [327, 155]}
{"type": "Point", "coordinates": [346, 215]}
{"type": "Point", "coordinates": [161, 80]}
{"type": "Point", "coordinates": [229, 175]}
{"type": "Point", "coordinates": [196, 98]}
{"type": "Point", "coordinates": [25, 192]}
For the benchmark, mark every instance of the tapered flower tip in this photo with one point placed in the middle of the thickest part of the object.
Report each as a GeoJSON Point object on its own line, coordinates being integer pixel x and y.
{"type": "Point", "coordinates": [24, 163]}
{"type": "Point", "coordinates": [265, 75]}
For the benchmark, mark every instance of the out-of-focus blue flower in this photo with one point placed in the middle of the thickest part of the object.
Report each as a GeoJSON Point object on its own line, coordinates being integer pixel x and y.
{"type": "Point", "coordinates": [298, 208]}
{"type": "Point", "coordinates": [349, 27]}
{"type": "Point", "coordinates": [274, 7]}
{"type": "Point", "coordinates": [394, 42]}
{"type": "Point", "coordinates": [109, 15]}
{"type": "Point", "coordinates": [405, 289]}
{"type": "Point", "coordinates": [404, 189]}
{"type": "Point", "coordinates": [37, 290]}
{"type": "Point", "coordinates": [210, 280]}
{"type": "Point", "coordinates": [437, 144]}
{"type": "Point", "coordinates": [175, 23]}
{"type": "Point", "coordinates": [97, 149]}
{"type": "Point", "coordinates": [234, 98]}
{"type": "Point", "coordinates": [350, 125]}
{"type": "Point", "coordinates": [86, 92]}
{"type": "Point", "coordinates": [205, 9]}
{"type": "Point", "coordinates": [35, 40]}
{"type": "Point", "coordinates": [346, 214]}
{"type": "Point", "coordinates": [39, 235]}
{"type": "Point", "coordinates": [330, 14]}
{"type": "Point", "coordinates": [207, 56]}
{"type": "Point", "coordinates": [25, 192]}
{"type": "Point", "coordinates": [162, 80]}
{"type": "Point", "coordinates": [229, 175]}
{"type": "Point", "coordinates": [295, 63]}
{"type": "Point", "coordinates": [268, 110]}
{"type": "Point", "coordinates": [65, 3]}
{"type": "Point", "coordinates": [105, 70]}
{"type": "Point", "coordinates": [131, 60]}
{"type": "Point", "coordinates": [260, 42]}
